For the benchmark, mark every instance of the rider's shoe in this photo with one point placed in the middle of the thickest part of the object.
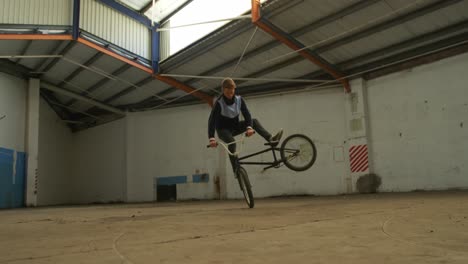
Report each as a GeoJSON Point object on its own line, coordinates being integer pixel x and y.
{"type": "Point", "coordinates": [274, 140]}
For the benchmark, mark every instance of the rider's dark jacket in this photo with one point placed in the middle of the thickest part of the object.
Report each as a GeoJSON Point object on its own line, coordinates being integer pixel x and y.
{"type": "Point", "coordinates": [225, 114]}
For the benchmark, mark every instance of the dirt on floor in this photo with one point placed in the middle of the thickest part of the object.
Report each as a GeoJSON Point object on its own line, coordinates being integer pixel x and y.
{"type": "Point", "coordinates": [376, 228]}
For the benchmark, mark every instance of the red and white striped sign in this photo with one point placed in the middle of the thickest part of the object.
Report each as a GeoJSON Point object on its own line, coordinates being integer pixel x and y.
{"type": "Point", "coordinates": [358, 158]}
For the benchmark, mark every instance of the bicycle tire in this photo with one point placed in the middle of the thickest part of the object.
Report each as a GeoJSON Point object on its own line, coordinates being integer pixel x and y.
{"type": "Point", "coordinates": [306, 148]}
{"type": "Point", "coordinates": [245, 186]}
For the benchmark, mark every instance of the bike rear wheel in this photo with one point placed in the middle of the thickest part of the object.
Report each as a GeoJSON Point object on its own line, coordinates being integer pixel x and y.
{"type": "Point", "coordinates": [298, 152]}
{"type": "Point", "coordinates": [245, 186]}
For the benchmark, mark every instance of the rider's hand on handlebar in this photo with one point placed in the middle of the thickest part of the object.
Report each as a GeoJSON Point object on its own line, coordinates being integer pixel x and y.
{"type": "Point", "coordinates": [213, 143]}
{"type": "Point", "coordinates": [249, 132]}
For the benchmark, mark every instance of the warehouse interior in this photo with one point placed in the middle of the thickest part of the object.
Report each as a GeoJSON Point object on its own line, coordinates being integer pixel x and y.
{"type": "Point", "coordinates": [103, 124]}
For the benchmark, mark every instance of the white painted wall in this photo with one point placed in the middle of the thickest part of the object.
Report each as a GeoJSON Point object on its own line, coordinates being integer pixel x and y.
{"type": "Point", "coordinates": [419, 127]}
{"type": "Point", "coordinates": [13, 92]}
{"type": "Point", "coordinates": [32, 140]}
{"type": "Point", "coordinates": [72, 168]}
{"type": "Point", "coordinates": [169, 142]}
{"type": "Point", "coordinates": [172, 142]}
{"type": "Point", "coordinates": [54, 162]}
{"type": "Point", "coordinates": [54, 139]}
{"type": "Point", "coordinates": [98, 164]}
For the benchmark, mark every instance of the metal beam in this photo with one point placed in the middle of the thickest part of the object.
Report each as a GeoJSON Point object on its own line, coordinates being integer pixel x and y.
{"type": "Point", "coordinates": [128, 12]}
{"type": "Point", "coordinates": [274, 68]}
{"type": "Point", "coordinates": [294, 44]}
{"type": "Point", "coordinates": [9, 67]}
{"type": "Point", "coordinates": [168, 80]}
{"type": "Point", "coordinates": [53, 103]}
{"type": "Point", "coordinates": [101, 83]}
{"type": "Point", "coordinates": [166, 91]}
{"type": "Point", "coordinates": [155, 56]}
{"type": "Point", "coordinates": [22, 72]}
{"type": "Point", "coordinates": [67, 48]}
{"type": "Point", "coordinates": [88, 100]}
{"type": "Point", "coordinates": [42, 63]}
{"type": "Point", "coordinates": [34, 28]}
{"type": "Point", "coordinates": [146, 7]}
{"type": "Point", "coordinates": [128, 89]}
{"type": "Point", "coordinates": [35, 37]}
{"type": "Point", "coordinates": [24, 51]}
{"type": "Point", "coordinates": [181, 86]}
{"type": "Point", "coordinates": [115, 55]}
{"type": "Point", "coordinates": [80, 69]}
{"type": "Point", "coordinates": [154, 102]}
{"type": "Point", "coordinates": [76, 19]}
{"type": "Point", "coordinates": [158, 95]}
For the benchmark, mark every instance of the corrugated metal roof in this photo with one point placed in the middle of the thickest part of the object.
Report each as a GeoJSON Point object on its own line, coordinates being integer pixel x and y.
{"type": "Point", "coordinates": [115, 27]}
{"type": "Point", "coordinates": [12, 47]}
{"type": "Point", "coordinates": [347, 34]}
{"type": "Point", "coordinates": [53, 12]}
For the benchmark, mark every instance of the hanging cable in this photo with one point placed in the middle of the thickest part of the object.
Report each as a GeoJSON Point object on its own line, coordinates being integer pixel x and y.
{"type": "Point", "coordinates": [247, 79]}
{"type": "Point", "coordinates": [243, 52]}
{"type": "Point", "coordinates": [108, 75]}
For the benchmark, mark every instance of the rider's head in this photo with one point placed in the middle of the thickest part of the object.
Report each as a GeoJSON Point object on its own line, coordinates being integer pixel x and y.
{"type": "Point", "coordinates": [229, 88]}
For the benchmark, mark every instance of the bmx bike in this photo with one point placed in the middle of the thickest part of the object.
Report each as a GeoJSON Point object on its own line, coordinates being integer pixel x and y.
{"type": "Point", "coordinates": [297, 152]}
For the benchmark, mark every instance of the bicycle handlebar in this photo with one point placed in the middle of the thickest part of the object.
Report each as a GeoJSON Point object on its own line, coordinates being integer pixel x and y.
{"type": "Point", "coordinates": [225, 145]}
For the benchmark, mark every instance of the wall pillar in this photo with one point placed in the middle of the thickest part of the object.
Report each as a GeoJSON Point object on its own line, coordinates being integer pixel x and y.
{"type": "Point", "coordinates": [32, 140]}
{"type": "Point", "coordinates": [357, 143]}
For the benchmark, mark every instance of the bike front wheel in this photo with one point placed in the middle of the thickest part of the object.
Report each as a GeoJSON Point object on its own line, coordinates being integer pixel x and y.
{"type": "Point", "coordinates": [245, 186]}
{"type": "Point", "coordinates": [298, 152]}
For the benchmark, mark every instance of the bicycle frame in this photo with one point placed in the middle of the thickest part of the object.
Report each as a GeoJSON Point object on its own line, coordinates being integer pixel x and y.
{"type": "Point", "coordinates": [276, 163]}
{"type": "Point", "coordinates": [272, 164]}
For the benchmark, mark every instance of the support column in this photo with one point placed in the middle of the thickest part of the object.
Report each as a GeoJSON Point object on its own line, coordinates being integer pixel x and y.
{"type": "Point", "coordinates": [76, 19]}
{"type": "Point", "coordinates": [32, 140]}
{"type": "Point", "coordinates": [155, 56]}
{"type": "Point", "coordinates": [357, 143]}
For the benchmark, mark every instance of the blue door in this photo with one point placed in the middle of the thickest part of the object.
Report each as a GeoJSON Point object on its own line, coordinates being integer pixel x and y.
{"type": "Point", "coordinates": [12, 185]}
{"type": "Point", "coordinates": [19, 186]}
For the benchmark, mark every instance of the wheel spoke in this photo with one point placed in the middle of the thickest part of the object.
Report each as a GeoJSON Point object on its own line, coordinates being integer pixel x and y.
{"type": "Point", "coordinates": [298, 152]}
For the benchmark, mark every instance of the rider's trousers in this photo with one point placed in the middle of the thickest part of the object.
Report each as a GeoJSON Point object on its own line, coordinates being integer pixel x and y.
{"type": "Point", "coordinates": [227, 136]}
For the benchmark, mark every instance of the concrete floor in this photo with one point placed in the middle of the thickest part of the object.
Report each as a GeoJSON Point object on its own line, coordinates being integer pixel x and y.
{"type": "Point", "coordinates": [383, 228]}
